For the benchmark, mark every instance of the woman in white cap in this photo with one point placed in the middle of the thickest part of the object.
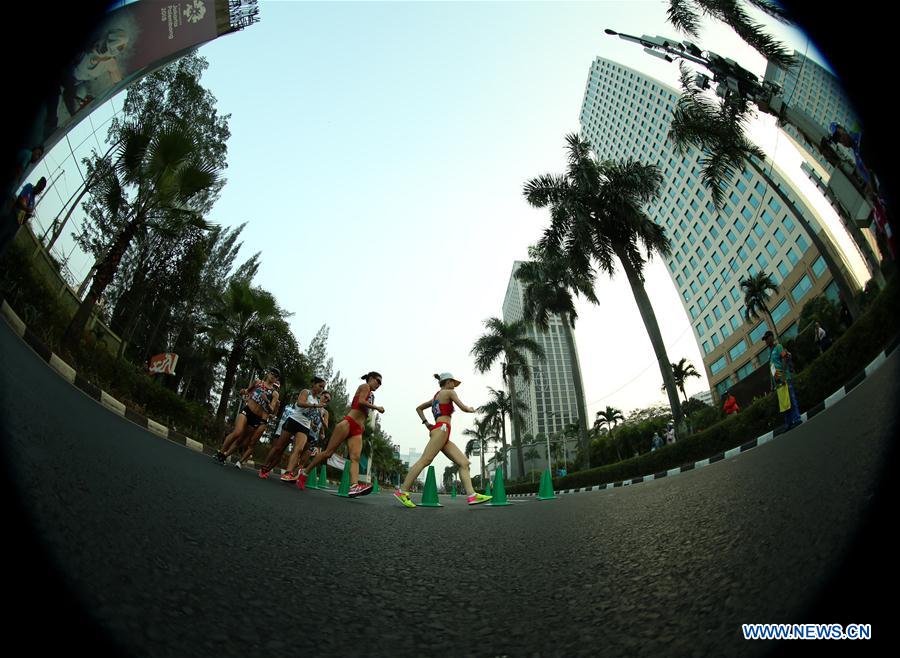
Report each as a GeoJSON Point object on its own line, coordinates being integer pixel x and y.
{"type": "Point", "coordinates": [439, 440]}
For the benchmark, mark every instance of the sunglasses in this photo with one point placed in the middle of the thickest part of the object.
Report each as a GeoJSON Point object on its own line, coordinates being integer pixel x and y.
{"type": "Point", "coordinates": [379, 381]}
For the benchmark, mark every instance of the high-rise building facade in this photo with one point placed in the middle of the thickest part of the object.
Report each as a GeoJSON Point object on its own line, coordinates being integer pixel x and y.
{"type": "Point", "coordinates": [817, 92]}
{"type": "Point", "coordinates": [626, 114]}
{"type": "Point", "coordinates": [550, 398]}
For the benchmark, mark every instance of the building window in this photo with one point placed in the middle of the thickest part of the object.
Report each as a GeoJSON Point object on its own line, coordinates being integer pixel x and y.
{"type": "Point", "coordinates": [801, 242]}
{"type": "Point", "coordinates": [792, 256]}
{"type": "Point", "coordinates": [742, 253]}
{"type": "Point", "coordinates": [744, 370]}
{"type": "Point", "coordinates": [772, 249]}
{"type": "Point", "coordinates": [700, 330]}
{"type": "Point", "coordinates": [726, 304]}
{"type": "Point", "coordinates": [780, 311]}
{"type": "Point", "coordinates": [779, 235]}
{"type": "Point", "coordinates": [761, 261]}
{"type": "Point", "coordinates": [715, 339]}
{"type": "Point", "coordinates": [804, 286]}
{"type": "Point", "coordinates": [706, 348]}
{"type": "Point", "coordinates": [717, 259]}
{"type": "Point", "coordinates": [758, 331]}
{"type": "Point", "coordinates": [768, 218]}
{"type": "Point", "coordinates": [818, 267]}
{"type": "Point", "coordinates": [717, 366]}
{"type": "Point", "coordinates": [737, 350]}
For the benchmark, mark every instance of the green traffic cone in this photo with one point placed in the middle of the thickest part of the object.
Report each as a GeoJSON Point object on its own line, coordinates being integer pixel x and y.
{"type": "Point", "coordinates": [499, 499]}
{"type": "Point", "coordinates": [546, 491]}
{"type": "Point", "coordinates": [344, 489]}
{"type": "Point", "coordinates": [312, 481]}
{"type": "Point", "coordinates": [487, 491]}
{"type": "Point", "coordinates": [323, 478]}
{"type": "Point", "coordinates": [430, 497]}
{"type": "Point", "coordinates": [375, 486]}
{"type": "Point", "coordinates": [453, 491]}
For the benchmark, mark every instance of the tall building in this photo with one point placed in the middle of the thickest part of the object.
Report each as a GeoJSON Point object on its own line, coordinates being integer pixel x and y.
{"type": "Point", "coordinates": [550, 398]}
{"type": "Point", "coordinates": [626, 114]}
{"type": "Point", "coordinates": [815, 90]}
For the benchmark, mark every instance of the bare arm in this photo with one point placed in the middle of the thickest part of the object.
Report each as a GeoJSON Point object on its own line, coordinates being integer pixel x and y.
{"type": "Point", "coordinates": [422, 407]}
{"type": "Point", "coordinates": [456, 400]}
{"type": "Point", "coordinates": [362, 394]}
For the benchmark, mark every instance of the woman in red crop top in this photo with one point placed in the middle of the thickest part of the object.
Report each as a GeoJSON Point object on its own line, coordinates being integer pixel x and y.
{"type": "Point", "coordinates": [439, 440]}
{"type": "Point", "coordinates": [350, 429]}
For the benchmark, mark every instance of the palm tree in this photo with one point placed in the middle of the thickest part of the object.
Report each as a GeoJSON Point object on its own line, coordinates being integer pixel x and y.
{"type": "Point", "coordinates": [609, 417]}
{"type": "Point", "coordinates": [681, 371]}
{"type": "Point", "coordinates": [532, 454]}
{"type": "Point", "coordinates": [685, 16]}
{"type": "Point", "coordinates": [498, 408]}
{"type": "Point", "coordinates": [756, 293]}
{"type": "Point", "coordinates": [244, 311]}
{"type": "Point", "coordinates": [549, 285]}
{"type": "Point", "coordinates": [158, 162]}
{"type": "Point", "coordinates": [509, 343]}
{"type": "Point", "coordinates": [481, 436]}
{"type": "Point", "coordinates": [596, 212]}
{"type": "Point", "coordinates": [718, 132]}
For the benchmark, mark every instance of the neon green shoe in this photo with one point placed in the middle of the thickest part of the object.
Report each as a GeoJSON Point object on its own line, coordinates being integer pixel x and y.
{"type": "Point", "coordinates": [403, 497]}
{"type": "Point", "coordinates": [477, 498]}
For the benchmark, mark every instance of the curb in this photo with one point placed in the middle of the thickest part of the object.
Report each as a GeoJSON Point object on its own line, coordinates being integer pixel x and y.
{"type": "Point", "coordinates": [829, 402]}
{"type": "Point", "coordinates": [68, 373]}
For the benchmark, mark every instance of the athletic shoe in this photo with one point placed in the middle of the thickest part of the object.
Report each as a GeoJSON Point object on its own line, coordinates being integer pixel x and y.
{"type": "Point", "coordinates": [219, 457]}
{"type": "Point", "coordinates": [359, 490]}
{"type": "Point", "coordinates": [289, 477]}
{"type": "Point", "coordinates": [237, 464]}
{"type": "Point", "coordinates": [301, 481]}
{"type": "Point", "coordinates": [264, 473]}
{"type": "Point", "coordinates": [477, 499]}
{"type": "Point", "coordinates": [403, 497]}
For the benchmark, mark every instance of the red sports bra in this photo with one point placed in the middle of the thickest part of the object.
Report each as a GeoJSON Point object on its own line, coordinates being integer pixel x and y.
{"type": "Point", "coordinates": [365, 410]}
{"type": "Point", "coordinates": [439, 409]}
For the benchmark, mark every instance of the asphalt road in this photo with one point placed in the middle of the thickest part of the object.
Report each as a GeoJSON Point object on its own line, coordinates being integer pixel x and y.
{"type": "Point", "coordinates": [164, 553]}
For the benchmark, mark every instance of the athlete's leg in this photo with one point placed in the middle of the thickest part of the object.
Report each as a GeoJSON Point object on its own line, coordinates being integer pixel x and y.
{"type": "Point", "coordinates": [436, 441]}
{"type": "Point", "coordinates": [354, 450]}
{"type": "Point", "coordinates": [239, 426]}
{"type": "Point", "coordinates": [239, 442]}
{"type": "Point", "coordinates": [337, 438]}
{"type": "Point", "coordinates": [277, 450]}
{"type": "Point", "coordinates": [459, 458]}
{"type": "Point", "coordinates": [300, 440]}
{"type": "Point", "coordinates": [248, 452]}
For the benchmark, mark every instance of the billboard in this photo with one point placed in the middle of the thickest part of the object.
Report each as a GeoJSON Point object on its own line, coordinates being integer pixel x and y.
{"type": "Point", "coordinates": [163, 364]}
{"type": "Point", "coordinates": [133, 40]}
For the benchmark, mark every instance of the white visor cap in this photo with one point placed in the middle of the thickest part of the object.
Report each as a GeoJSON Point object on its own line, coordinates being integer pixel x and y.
{"type": "Point", "coordinates": [444, 376]}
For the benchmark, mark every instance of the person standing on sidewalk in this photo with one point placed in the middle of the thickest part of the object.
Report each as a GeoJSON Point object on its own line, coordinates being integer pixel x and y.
{"type": "Point", "coordinates": [822, 339]}
{"type": "Point", "coordinates": [22, 211]}
{"type": "Point", "coordinates": [781, 368]}
{"type": "Point", "coordinates": [731, 405]}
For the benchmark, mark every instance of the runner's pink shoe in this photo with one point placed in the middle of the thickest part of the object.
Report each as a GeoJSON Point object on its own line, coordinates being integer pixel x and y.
{"type": "Point", "coordinates": [359, 490]}
{"type": "Point", "coordinates": [264, 473]}
{"type": "Point", "coordinates": [301, 481]}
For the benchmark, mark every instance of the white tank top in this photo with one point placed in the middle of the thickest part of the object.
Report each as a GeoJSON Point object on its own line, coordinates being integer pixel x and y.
{"type": "Point", "coordinates": [302, 415]}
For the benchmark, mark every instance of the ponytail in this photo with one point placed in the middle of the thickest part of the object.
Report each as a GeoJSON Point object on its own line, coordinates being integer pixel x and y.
{"type": "Point", "coordinates": [367, 376]}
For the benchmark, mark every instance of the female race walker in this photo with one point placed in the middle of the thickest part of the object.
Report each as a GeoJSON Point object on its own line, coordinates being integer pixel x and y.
{"type": "Point", "coordinates": [442, 408]}
{"type": "Point", "coordinates": [252, 415]}
{"type": "Point", "coordinates": [274, 403]}
{"type": "Point", "coordinates": [298, 426]}
{"type": "Point", "coordinates": [350, 429]}
{"type": "Point", "coordinates": [317, 429]}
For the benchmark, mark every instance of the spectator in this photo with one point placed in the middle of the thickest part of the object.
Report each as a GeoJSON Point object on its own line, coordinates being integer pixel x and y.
{"type": "Point", "coordinates": [731, 405]}
{"type": "Point", "coordinates": [656, 442]}
{"type": "Point", "coordinates": [22, 211]}
{"type": "Point", "coordinates": [670, 433]}
{"type": "Point", "coordinates": [781, 369]}
{"type": "Point", "coordinates": [25, 158]}
{"type": "Point", "coordinates": [822, 339]}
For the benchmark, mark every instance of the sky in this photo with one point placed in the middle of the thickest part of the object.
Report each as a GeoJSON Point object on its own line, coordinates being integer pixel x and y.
{"type": "Point", "coordinates": [378, 154]}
